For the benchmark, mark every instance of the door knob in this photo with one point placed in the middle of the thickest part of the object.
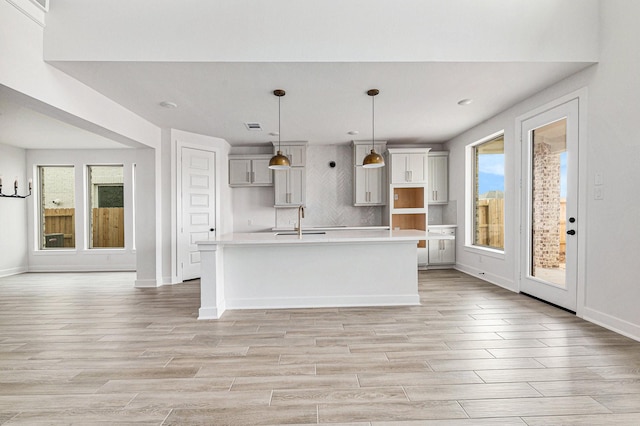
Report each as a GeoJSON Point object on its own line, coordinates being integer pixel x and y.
{"type": "Point", "coordinates": [571, 232]}
{"type": "Point", "coordinates": [212, 229]}
{"type": "Point", "coordinates": [572, 219]}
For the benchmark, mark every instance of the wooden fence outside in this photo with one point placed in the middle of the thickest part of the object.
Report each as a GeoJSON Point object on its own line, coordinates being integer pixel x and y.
{"type": "Point", "coordinates": [108, 227]}
{"type": "Point", "coordinates": [490, 228]}
{"type": "Point", "coordinates": [59, 221]}
{"type": "Point", "coordinates": [490, 222]}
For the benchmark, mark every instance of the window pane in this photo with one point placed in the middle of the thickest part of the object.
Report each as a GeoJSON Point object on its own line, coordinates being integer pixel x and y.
{"type": "Point", "coordinates": [489, 194]}
{"type": "Point", "coordinates": [57, 207]}
{"type": "Point", "coordinates": [106, 197]}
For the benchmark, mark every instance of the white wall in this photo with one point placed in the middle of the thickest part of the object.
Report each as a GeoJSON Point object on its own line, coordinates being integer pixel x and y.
{"type": "Point", "coordinates": [54, 93]}
{"type": "Point", "coordinates": [329, 30]}
{"type": "Point", "coordinates": [45, 89]}
{"type": "Point", "coordinates": [13, 212]}
{"type": "Point", "coordinates": [81, 258]}
{"type": "Point", "coordinates": [612, 293]}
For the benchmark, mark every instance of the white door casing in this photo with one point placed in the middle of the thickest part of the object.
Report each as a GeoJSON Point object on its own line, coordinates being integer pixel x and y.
{"type": "Point", "coordinates": [197, 205]}
{"type": "Point", "coordinates": [535, 284]}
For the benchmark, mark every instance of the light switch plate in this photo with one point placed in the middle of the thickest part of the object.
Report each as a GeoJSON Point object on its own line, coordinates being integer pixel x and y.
{"type": "Point", "coordinates": [598, 179]}
{"type": "Point", "coordinates": [598, 193]}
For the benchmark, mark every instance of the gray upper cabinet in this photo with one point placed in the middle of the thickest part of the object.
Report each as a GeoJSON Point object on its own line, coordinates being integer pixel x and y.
{"type": "Point", "coordinates": [369, 185]}
{"type": "Point", "coordinates": [438, 182]}
{"type": "Point", "coordinates": [250, 170]}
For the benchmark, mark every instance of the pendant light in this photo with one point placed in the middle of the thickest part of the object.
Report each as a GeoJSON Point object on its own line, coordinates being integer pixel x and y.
{"type": "Point", "coordinates": [279, 161]}
{"type": "Point", "coordinates": [373, 159]}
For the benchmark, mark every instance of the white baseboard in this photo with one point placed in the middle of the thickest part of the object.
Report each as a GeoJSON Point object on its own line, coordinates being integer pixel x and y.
{"type": "Point", "coordinates": [149, 283]}
{"type": "Point", "coordinates": [81, 268]}
{"type": "Point", "coordinates": [323, 302]}
{"type": "Point", "coordinates": [12, 271]}
{"type": "Point", "coordinates": [503, 282]}
{"type": "Point", "coordinates": [210, 313]}
{"type": "Point", "coordinates": [612, 323]}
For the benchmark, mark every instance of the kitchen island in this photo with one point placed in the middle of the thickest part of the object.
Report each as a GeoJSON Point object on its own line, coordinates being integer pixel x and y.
{"type": "Point", "coordinates": [273, 270]}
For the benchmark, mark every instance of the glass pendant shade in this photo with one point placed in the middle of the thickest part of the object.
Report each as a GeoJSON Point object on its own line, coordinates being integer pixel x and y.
{"type": "Point", "coordinates": [279, 161]}
{"type": "Point", "coordinates": [373, 159]}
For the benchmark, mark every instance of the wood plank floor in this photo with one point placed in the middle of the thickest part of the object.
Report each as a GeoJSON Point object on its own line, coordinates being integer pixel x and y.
{"type": "Point", "coordinates": [90, 349]}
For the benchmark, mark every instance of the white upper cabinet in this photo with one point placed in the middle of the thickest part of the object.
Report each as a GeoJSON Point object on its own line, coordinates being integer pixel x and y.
{"type": "Point", "coordinates": [250, 170]}
{"type": "Point", "coordinates": [408, 166]}
{"type": "Point", "coordinates": [290, 185]}
{"type": "Point", "coordinates": [369, 185]}
{"type": "Point", "coordinates": [438, 183]}
{"type": "Point", "coordinates": [296, 153]}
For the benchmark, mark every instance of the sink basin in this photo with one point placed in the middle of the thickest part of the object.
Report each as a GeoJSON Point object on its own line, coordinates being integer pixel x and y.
{"type": "Point", "coordinates": [303, 233]}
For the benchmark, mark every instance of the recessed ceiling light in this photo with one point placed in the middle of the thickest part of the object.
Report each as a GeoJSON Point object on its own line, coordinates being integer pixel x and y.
{"type": "Point", "coordinates": [273, 133]}
{"type": "Point", "coordinates": [464, 102]}
{"type": "Point", "coordinates": [353, 132]}
{"type": "Point", "coordinates": [168, 104]}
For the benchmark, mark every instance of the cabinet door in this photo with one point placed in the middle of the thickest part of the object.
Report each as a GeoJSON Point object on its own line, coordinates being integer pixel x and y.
{"type": "Point", "coordinates": [295, 154]}
{"type": "Point", "coordinates": [239, 172]}
{"type": "Point", "coordinates": [438, 184]}
{"type": "Point", "coordinates": [417, 167]}
{"type": "Point", "coordinates": [434, 252]}
{"type": "Point", "coordinates": [280, 179]}
{"type": "Point", "coordinates": [399, 168]}
{"type": "Point", "coordinates": [289, 186]}
{"type": "Point", "coordinates": [261, 173]}
{"type": "Point", "coordinates": [375, 185]}
{"type": "Point", "coordinates": [448, 251]}
{"type": "Point", "coordinates": [360, 189]}
{"type": "Point", "coordinates": [296, 185]}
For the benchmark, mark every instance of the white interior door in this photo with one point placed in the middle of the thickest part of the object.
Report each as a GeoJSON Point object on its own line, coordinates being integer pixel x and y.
{"type": "Point", "coordinates": [550, 205]}
{"type": "Point", "coordinates": [198, 207]}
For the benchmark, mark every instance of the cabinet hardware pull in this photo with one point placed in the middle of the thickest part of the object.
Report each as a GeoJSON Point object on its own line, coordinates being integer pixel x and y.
{"type": "Point", "coordinates": [253, 176]}
{"type": "Point", "coordinates": [248, 178]}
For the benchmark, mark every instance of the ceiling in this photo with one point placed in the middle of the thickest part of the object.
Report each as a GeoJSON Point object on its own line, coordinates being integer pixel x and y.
{"type": "Point", "coordinates": [23, 127]}
{"type": "Point", "coordinates": [418, 102]}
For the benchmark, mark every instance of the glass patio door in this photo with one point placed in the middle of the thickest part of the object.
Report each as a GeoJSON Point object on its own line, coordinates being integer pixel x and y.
{"type": "Point", "coordinates": [550, 198]}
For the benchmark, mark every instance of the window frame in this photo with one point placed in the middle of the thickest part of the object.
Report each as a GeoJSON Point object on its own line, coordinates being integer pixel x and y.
{"type": "Point", "coordinates": [470, 201]}
{"type": "Point", "coordinates": [40, 245]}
{"type": "Point", "coordinates": [89, 198]}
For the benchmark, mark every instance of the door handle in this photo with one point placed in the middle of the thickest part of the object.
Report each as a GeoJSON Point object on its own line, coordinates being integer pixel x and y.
{"type": "Point", "coordinates": [212, 229]}
{"type": "Point", "coordinates": [571, 232]}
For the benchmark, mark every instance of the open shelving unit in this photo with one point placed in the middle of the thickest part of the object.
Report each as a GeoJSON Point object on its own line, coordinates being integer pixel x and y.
{"type": "Point", "coordinates": [408, 201]}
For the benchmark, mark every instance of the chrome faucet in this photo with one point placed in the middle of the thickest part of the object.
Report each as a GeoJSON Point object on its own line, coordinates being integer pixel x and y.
{"type": "Point", "coordinates": [300, 216]}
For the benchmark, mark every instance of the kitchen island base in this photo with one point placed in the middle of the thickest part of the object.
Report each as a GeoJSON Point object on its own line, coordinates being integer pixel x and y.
{"type": "Point", "coordinates": [307, 273]}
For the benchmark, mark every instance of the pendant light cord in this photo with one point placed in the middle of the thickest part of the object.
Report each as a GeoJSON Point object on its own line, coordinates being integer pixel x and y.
{"type": "Point", "coordinates": [373, 123]}
{"type": "Point", "coordinates": [279, 122]}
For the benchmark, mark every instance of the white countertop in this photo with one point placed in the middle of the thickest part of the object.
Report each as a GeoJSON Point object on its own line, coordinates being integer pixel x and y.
{"type": "Point", "coordinates": [443, 226]}
{"type": "Point", "coordinates": [342, 236]}
{"type": "Point", "coordinates": [332, 228]}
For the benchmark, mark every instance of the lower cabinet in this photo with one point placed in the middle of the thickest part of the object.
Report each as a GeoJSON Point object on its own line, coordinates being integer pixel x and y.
{"type": "Point", "coordinates": [442, 251]}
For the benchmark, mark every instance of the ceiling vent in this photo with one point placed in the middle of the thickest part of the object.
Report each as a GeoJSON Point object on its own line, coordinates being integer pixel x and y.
{"type": "Point", "coordinates": [253, 126]}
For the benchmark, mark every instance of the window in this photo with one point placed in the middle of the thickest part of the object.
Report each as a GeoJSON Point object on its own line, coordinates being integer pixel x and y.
{"type": "Point", "coordinates": [106, 198]}
{"type": "Point", "coordinates": [487, 163]}
{"type": "Point", "coordinates": [57, 207]}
